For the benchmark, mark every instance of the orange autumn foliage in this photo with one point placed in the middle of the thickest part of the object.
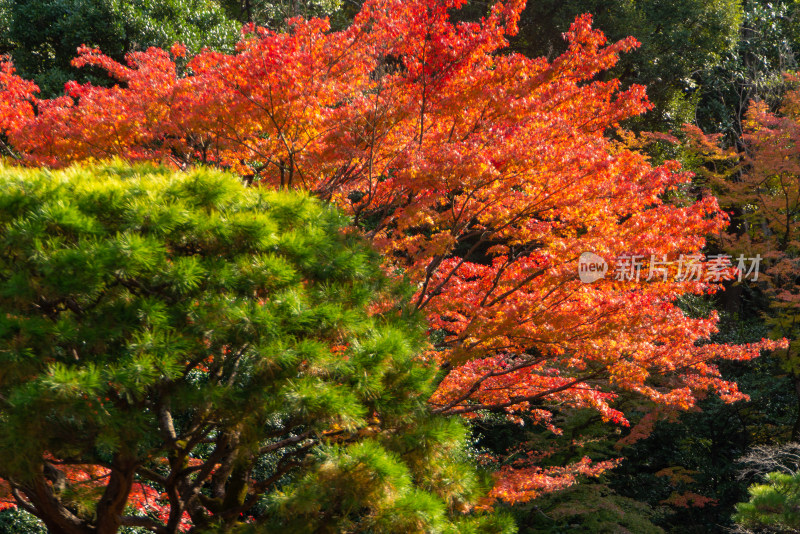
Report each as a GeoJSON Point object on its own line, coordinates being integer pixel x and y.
{"type": "Point", "coordinates": [482, 176]}
{"type": "Point", "coordinates": [761, 187]}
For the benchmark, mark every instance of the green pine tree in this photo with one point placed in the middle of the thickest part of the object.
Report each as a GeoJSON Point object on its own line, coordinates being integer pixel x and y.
{"type": "Point", "coordinates": [774, 506]}
{"type": "Point", "coordinates": [212, 342]}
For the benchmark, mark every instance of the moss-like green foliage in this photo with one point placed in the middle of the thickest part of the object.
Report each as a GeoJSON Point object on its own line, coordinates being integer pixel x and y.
{"type": "Point", "coordinates": [212, 341]}
{"type": "Point", "coordinates": [16, 521]}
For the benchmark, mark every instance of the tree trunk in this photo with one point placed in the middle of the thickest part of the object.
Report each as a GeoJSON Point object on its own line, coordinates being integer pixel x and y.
{"type": "Point", "coordinates": [115, 497]}
{"type": "Point", "coordinates": [56, 517]}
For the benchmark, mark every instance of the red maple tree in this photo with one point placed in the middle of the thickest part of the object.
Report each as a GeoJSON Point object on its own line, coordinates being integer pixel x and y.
{"type": "Point", "coordinates": [481, 175]}
{"type": "Point", "coordinates": [761, 187]}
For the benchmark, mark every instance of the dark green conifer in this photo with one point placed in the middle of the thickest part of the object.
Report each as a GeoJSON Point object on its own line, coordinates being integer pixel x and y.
{"type": "Point", "coordinates": [213, 342]}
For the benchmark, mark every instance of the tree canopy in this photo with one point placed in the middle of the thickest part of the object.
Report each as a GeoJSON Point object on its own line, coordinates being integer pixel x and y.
{"type": "Point", "coordinates": [481, 176]}
{"type": "Point", "coordinates": [487, 152]}
{"type": "Point", "coordinates": [181, 351]}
